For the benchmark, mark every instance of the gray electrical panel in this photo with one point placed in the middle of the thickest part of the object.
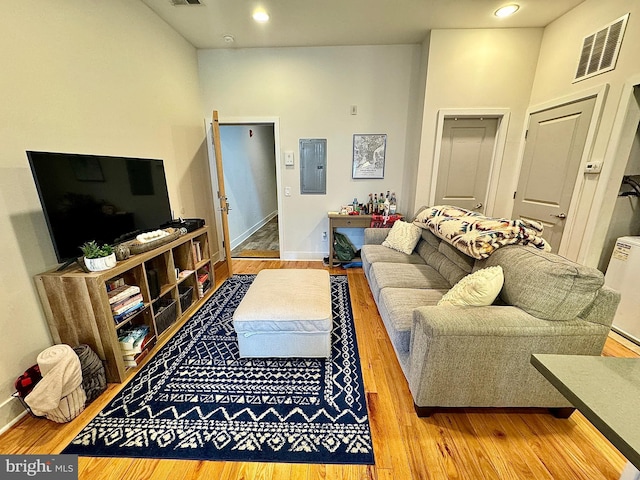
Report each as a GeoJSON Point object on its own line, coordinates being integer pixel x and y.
{"type": "Point", "coordinates": [313, 166]}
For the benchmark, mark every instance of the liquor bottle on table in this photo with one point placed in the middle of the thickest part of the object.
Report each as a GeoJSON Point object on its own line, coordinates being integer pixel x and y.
{"type": "Point", "coordinates": [393, 206]}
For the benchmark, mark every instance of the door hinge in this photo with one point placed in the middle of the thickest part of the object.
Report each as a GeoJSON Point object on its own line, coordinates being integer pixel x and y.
{"type": "Point", "coordinates": [514, 195]}
{"type": "Point", "coordinates": [526, 134]}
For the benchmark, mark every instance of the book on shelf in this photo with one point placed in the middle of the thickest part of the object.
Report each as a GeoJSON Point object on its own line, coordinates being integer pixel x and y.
{"type": "Point", "coordinates": [137, 305]}
{"type": "Point", "coordinates": [197, 252]}
{"type": "Point", "coordinates": [125, 304]}
{"type": "Point", "coordinates": [122, 293]}
{"type": "Point", "coordinates": [203, 283]}
{"type": "Point", "coordinates": [132, 338]}
{"type": "Point", "coordinates": [132, 312]}
{"type": "Point", "coordinates": [135, 360]}
{"type": "Point", "coordinates": [114, 283]}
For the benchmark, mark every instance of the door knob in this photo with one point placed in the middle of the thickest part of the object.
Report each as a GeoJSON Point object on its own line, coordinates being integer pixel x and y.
{"type": "Point", "coordinates": [479, 205]}
{"type": "Point", "coordinates": [560, 215]}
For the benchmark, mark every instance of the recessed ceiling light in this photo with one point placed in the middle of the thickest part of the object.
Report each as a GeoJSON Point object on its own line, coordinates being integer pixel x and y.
{"type": "Point", "coordinates": [261, 16]}
{"type": "Point", "coordinates": [506, 10]}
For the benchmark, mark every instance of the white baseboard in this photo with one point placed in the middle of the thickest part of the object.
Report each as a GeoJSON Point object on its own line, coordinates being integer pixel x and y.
{"type": "Point", "coordinates": [11, 411]}
{"type": "Point", "coordinates": [302, 255]}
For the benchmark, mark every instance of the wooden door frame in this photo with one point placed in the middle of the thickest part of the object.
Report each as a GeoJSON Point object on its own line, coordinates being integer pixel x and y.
{"type": "Point", "coordinates": [275, 121]}
{"type": "Point", "coordinates": [570, 233]}
{"type": "Point", "coordinates": [503, 115]}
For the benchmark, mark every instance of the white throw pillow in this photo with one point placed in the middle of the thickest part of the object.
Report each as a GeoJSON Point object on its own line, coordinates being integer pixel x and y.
{"type": "Point", "coordinates": [477, 289]}
{"type": "Point", "coordinates": [403, 237]}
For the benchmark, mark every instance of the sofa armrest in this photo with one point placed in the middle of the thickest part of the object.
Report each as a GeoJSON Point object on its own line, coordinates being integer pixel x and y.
{"type": "Point", "coordinates": [603, 309]}
{"type": "Point", "coordinates": [480, 356]}
{"type": "Point", "coordinates": [375, 236]}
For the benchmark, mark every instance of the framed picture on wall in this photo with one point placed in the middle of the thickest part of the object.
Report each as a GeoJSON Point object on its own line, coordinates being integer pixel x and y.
{"type": "Point", "coordinates": [368, 155]}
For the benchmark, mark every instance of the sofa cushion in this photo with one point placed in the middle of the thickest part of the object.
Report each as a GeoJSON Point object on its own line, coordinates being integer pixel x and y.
{"type": "Point", "coordinates": [403, 237]}
{"type": "Point", "coordinates": [477, 289]}
{"type": "Point", "coordinates": [543, 284]}
{"type": "Point", "coordinates": [436, 259]}
{"type": "Point", "coordinates": [371, 254]}
{"type": "Point", "coordinates": [464, 262]}
{"type": "Point", "coordinates": [397, 275]}
{"type": "Point", "coordinates": [396, 306]}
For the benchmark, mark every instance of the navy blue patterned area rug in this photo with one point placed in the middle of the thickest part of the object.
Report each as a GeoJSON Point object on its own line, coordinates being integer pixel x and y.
{"type": "Point", "coordinates": [196, 399]}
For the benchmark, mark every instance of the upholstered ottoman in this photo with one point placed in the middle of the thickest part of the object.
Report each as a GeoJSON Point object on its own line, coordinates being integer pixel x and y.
{"type": "Point", "coordinates": [285, 313]}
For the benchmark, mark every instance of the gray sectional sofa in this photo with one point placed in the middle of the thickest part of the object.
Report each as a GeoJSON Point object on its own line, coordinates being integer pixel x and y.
{"type": "Point", "coordinates": [457, 356]}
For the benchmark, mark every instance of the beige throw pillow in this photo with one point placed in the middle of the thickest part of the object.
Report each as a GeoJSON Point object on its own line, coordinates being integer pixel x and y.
{"type": "Point", "coordinates": [477, 289]}
{"type": "Point", "coordinates": [403, 237]}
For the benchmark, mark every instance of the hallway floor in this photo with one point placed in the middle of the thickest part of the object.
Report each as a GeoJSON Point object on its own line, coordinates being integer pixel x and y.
{"type": "Point", "coordinates": [262, 244]}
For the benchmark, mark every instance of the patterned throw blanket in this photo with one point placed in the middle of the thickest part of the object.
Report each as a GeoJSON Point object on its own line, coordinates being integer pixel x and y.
{"type": "Point", "coordinates": [476, 235]}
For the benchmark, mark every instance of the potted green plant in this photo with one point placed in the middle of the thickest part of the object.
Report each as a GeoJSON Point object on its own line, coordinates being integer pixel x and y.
{"type": "Point", "coordinates": [98, 258]}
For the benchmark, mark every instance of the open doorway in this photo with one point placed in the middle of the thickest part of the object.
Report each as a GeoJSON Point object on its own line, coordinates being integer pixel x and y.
{"type": "Point", "coordinates": [625, 219]}
{"type": "Point", "coordinates": [249, 165]}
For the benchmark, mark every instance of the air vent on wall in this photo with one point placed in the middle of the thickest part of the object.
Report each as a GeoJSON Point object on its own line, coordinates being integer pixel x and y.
{"type": "Point", "coordinates": [600, 50]}
{"type": "Point", "coordinates": [176, 3]}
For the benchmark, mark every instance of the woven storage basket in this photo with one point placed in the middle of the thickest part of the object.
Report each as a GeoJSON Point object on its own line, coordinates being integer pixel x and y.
{"type": "Point", "coordinates": [94, 378]}
{"type": "Point", "coordinates": [186, 297]}
{"type": "Point", "coordinates": [69, 407]}
{"type": "Point", "coordinates": [25, 405]}
{"type": "Point", "coordinates": [166, 315]}
{"type": "Point", "coordinates": [135, 247]}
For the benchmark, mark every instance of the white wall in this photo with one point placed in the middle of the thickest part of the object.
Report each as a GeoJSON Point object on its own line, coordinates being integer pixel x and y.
{"type": "Point", "coordinates": [249, 178]}
{"type": "Point", "coordinates": [559, 54]}
{"type": "Point", "coordinates": [311, 90]}
{"type": "Point", "coordinates": [476, 69]}
{"type": "Point", "coordinates": [88, 77]}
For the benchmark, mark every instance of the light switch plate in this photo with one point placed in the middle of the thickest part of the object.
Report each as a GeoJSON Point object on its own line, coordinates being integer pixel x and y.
{"type": "Point", "coordinates": [288, 159]}
{"type": "Point", "coordinates": [593, 167]}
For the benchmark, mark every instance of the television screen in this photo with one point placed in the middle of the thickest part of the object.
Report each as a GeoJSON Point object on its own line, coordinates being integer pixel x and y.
{"type": "Point", "coordinates": [106, 199]}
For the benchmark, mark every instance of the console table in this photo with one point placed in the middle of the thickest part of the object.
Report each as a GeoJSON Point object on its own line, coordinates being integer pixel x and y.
{"type": "Point", "coordinates": [345, 221]}
{"type": "Point", "coordinates": [606, 390]}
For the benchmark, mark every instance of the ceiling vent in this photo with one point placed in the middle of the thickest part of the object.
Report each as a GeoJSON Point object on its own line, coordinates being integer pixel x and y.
{"type": "Point", "coordinates": [600, 50]}
{"type": "Point", "coordinates": [177, 3]}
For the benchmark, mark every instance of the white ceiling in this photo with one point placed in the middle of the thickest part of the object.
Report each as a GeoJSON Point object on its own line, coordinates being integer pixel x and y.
{"type": "Point", "coordinates": [343, 22]}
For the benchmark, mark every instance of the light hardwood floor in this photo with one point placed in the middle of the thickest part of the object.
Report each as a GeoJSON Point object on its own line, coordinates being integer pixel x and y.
{"type": "Point", "coordinates": [470, 444]}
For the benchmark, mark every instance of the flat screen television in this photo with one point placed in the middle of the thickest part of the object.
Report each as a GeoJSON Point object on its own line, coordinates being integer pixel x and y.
{"type": "Point", "coordinates": [91, 197]}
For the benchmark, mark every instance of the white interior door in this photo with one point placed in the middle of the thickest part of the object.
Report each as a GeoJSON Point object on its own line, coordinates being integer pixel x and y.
{"type": "Point", "coordinates": [464, 165]}
{"type": "Point", "coordinates": [555, 144]}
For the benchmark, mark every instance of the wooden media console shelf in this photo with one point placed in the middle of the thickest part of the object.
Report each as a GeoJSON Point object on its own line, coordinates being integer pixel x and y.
{"type": "Point", "coordinates": [77, 309]}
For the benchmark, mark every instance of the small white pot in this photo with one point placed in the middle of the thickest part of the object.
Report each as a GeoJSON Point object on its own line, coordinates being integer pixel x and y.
{"type": "Point", "coordinates": [102, 263]}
